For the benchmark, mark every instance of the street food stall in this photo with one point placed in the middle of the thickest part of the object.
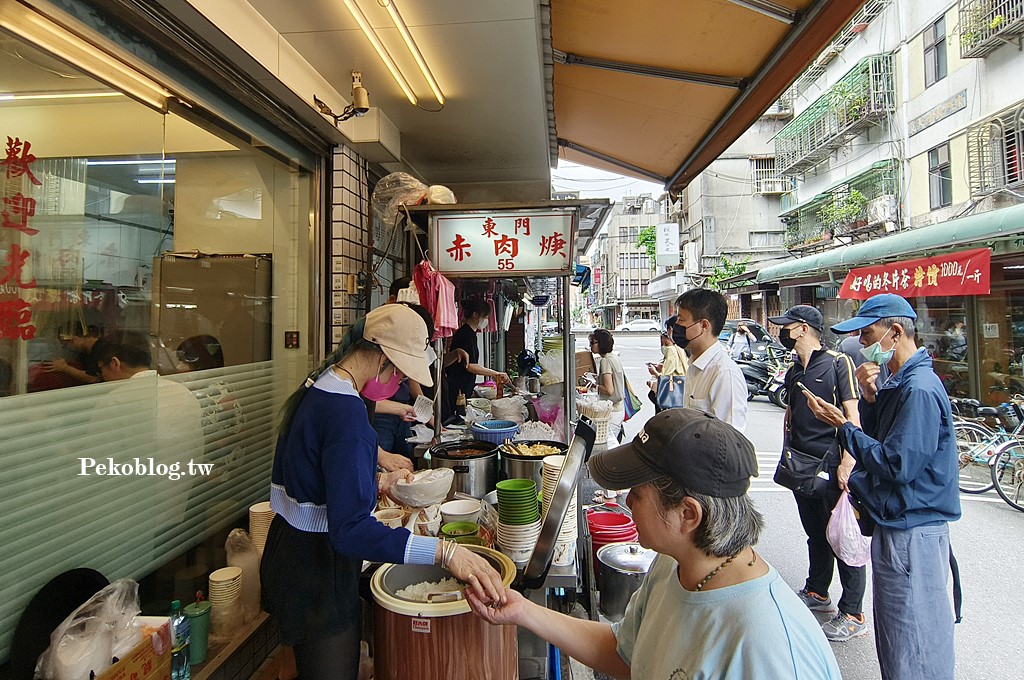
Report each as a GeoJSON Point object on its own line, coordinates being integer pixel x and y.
{"type": "Point", "coordinates": [514, 447]}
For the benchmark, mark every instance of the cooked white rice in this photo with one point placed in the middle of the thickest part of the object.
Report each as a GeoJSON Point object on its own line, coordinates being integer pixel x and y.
{"type": "Point", "coordinates": [419, 592]}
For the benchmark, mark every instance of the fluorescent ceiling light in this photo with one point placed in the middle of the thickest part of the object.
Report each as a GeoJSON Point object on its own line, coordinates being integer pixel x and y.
{"type": "Point", "coordinates": [168, 180]}
{"type": "Point", "coordinates": [69, 47]}
{"type": "Point", "coordinates": [141, 161]}
{"type": "Point", "coordinates": [396, 18]}
{"type": "Point", "coordinates": [12, 96]}
{"type": "Point", "coordinates": [357, 14]}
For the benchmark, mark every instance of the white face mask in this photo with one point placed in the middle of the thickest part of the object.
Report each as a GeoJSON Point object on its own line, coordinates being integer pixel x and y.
{"type": "Point", "coordinates": [482, 323]}
{"type": "Point", "coordinates": [431, 355]}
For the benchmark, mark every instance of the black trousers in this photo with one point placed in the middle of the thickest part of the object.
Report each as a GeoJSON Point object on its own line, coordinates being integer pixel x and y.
{"type": "Point", "coordinates": [814, 515]}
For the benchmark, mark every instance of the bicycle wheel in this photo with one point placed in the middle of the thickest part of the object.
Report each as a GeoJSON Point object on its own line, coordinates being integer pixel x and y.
{"type": "Point", "coordinates": [1008, 474]}
{"type": "Point", "coordinates": [974, 444]}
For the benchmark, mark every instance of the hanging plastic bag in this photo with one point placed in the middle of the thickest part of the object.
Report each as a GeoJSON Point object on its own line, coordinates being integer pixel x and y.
{"type": "Point", "coordinates": [843, 533]}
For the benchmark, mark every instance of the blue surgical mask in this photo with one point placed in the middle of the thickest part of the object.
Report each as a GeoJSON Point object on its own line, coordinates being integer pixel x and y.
{"type": "Point", "coordinates": [875, 354]}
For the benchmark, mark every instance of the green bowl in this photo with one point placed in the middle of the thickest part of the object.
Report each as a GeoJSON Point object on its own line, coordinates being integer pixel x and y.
{"type": "Point", "coordinates": [527, 485]}
{"type": "Point", "coordinates": [470, 540]}
{"type": "Point", "coordinates": [454, 529]}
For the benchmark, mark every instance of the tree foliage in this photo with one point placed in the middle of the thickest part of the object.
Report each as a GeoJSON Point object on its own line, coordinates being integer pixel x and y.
{"type": "Point", "coordinates": [725, 269]}
{"type": "Point", "coordinates": [647, 239]}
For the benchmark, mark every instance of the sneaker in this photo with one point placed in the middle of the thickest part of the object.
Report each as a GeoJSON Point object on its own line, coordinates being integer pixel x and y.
{"type": "Point", "coordinates": [844, 627]}
{"type": "Point", "coordinates": [815, 602]}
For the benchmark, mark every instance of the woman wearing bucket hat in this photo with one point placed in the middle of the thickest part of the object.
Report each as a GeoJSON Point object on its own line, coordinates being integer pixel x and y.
{"type": "Point", "coordinates": [324, 487]}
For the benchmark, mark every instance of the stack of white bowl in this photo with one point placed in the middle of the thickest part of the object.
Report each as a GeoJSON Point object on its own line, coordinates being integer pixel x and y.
{"type": "Point", "coordinates": [518, 540]}
{"type": "Point", "coordinates": [226, 614]}
{"type": "Point", "coordinates": [260, 517]}
{"type": "Point", "coordinates": [565, 543]}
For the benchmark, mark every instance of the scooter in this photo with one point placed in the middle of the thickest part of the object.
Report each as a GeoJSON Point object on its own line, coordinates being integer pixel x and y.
{"type": "Point", "coordinates": [766, 376]}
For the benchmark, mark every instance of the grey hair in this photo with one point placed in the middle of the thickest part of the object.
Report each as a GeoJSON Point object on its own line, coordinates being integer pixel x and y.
{"type": "Point", "coordinates": [727, 525]}
{"type": "Point", "coordinates": [904, 321]}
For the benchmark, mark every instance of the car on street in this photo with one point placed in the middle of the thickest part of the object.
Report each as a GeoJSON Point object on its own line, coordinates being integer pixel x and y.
{"type": "Point", "coordinates": [582, 328]}
{"type": "Point", "coordinates": [640, 325]}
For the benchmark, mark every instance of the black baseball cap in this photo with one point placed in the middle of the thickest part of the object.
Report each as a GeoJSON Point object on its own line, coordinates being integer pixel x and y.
{"type": "Point", "coordinates": [697, 450]}
{"type": "Point", "coordinates": [801, 314]}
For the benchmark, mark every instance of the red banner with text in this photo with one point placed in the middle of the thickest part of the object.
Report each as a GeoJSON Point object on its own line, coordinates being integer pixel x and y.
{"type": "Point", "coordinates": [963, 273]}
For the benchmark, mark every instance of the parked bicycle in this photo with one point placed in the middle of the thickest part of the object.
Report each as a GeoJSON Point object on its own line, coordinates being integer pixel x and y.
{"type": "Point", "coordinates": [990, 442]}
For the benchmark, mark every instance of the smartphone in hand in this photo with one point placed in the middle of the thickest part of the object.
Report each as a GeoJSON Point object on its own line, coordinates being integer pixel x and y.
{"type": "Point", "coordinates": [804, 388]}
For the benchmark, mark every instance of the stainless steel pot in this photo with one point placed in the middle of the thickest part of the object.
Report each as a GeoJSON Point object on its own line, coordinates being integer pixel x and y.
{"type": "Point", "coordinates": [476, 474]}
{"type": "Point", "coordinates": [516, 466]}
{"type": "Point", "coordinates": [623, 568]}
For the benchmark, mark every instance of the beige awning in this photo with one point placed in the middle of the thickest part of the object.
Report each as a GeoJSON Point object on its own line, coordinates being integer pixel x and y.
{"type": "Point", "coordinates": [659, 89]}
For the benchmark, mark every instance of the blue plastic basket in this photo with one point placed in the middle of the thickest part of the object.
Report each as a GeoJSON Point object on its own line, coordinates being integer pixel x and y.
{"type": "Point", "coordinates": [494, 431]}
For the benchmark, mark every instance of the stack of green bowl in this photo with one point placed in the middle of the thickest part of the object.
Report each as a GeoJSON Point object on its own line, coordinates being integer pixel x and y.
{"type": "Point", "coordinates": [517, 501]}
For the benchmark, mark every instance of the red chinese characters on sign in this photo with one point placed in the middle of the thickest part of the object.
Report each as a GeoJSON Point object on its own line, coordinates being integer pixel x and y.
{"type": "Point", "coordinates": [506, 246]}
{"type": "Point", "coordinates": [490, 229]}
{"type": "Point", "coordinates": [460, 249]}
{"type": "Point", "coordinates": [524, 224]}
{"type": "Point", "coordinates": [963, 273]}
{"type": "Point", "coordinates": [552, 245]}
{"type": "Point", "coordinates": [16, 210]}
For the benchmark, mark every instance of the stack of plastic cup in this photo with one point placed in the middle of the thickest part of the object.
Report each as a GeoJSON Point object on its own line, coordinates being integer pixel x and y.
{"type": "Point", "coordinates": [519, 520]}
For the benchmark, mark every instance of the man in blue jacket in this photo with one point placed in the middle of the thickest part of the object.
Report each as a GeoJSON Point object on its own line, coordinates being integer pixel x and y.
{"type": "Point", "coordinates": [906, 479]}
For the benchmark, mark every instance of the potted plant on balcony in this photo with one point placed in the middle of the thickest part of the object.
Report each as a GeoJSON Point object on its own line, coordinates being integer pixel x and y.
{"type": "Point", "coordinates": [844, 212]}
{"type": "Point", "coordinates": [848, 102]}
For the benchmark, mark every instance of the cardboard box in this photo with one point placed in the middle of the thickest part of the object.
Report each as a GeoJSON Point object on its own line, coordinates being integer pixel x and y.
{"type": "Point", "coordinates": [584, 364]}
{"type": "Point", "coordinates": [148, 660]}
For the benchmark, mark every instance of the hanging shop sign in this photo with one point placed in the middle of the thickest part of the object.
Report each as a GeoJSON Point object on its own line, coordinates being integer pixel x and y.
{"type": "Point", "coordinates": [667, 247]}
{"type": "Point", "coordinates": [504, 243]}
{"type": "Point", "coordinates": [962, 273]}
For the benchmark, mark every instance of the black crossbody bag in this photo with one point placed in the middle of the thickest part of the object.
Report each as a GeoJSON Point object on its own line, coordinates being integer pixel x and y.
{"type": "Point", "coordinates": [807, 475]}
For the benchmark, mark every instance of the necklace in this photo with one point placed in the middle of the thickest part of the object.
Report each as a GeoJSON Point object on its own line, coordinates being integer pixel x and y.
{"type": "Point", "coordinates": [339, 369]}
{"type": "Point", "coordinates": [703, 581]}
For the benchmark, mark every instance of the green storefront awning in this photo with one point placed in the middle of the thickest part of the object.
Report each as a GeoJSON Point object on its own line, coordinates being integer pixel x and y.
{"type": "Point", "coordinates": [971, 230]}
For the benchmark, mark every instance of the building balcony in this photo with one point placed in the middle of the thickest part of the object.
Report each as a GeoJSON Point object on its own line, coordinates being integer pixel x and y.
{"type": "Point", "coordinates": [859, 208]}
{"type": "Point", "coordinates": [987, 25]}
{"type": "Point", "coordinates": [863, 97]}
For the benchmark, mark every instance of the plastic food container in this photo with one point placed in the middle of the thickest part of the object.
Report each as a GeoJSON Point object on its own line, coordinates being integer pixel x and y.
{"type": "Point", "coordinates": [495, 431]}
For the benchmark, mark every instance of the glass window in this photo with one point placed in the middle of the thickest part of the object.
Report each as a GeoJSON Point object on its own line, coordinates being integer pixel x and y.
{"type": "Point", "coordinates": [935, 52]}
{"type": "Point", "coordinates": [940, 177]}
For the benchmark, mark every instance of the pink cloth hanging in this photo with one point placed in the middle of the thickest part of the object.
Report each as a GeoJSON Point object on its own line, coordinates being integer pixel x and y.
{"type": "Point", "coordinates": [437, 294]}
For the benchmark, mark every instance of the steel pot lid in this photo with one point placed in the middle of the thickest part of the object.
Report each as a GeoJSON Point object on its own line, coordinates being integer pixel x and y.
{"type": "Point", "coordinates": [629, 557]}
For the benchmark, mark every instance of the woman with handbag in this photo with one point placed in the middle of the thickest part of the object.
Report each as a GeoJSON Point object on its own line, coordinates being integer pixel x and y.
{"type": "Point", "coordinates": [611, 381]}
{"type": "Point", "coordinates": [669, 377]}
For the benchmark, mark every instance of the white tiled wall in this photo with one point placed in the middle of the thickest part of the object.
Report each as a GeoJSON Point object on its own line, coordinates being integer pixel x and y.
{"type": "Point", "coordinates": [350, 219]}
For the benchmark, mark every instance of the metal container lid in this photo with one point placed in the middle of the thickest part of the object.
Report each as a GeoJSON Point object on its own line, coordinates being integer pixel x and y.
{"type": "Point", "coordinates": [628, 557]}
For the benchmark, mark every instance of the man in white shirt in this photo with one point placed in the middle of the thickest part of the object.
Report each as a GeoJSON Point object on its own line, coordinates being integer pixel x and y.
{"type": "Point", "coordinates": [714, 383]}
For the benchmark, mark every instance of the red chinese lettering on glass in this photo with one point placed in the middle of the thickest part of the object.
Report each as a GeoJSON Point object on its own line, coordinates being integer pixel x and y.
{"type": "Point", "coordinates": [524, 224]}
{"type": "Point", "coordinates": [19, 160]}
{"type": "Point", "coordinates": [16, 320]}
{"type": "Point", "coordinates": [506, 246]}
{"type": "Point", "coordinates": [17, 210]}
{"type": "Point", "coordinates": [12, 271]}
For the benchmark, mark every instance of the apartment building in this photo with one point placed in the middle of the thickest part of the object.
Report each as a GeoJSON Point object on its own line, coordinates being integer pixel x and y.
{"type": "Point", "coordinates": [905, 151]}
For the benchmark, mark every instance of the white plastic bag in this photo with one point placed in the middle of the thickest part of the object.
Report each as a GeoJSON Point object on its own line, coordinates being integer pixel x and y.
{"type": "Point", "coordinates": [844, 535]}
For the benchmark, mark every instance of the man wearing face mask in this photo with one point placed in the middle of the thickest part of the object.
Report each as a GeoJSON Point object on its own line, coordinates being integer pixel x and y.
{"type": "Point", "coordinates": [906, 479]}
{"type": "Point", "coordinates": [714, 383]}
{"type": "Point", "coordinates": [460, 376]}
{"type": "Point", "coordinates": [829, 375]}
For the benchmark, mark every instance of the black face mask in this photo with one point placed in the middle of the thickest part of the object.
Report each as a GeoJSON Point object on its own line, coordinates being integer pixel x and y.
{"type": "Point", "coordinates": [679, 335]}
{"type": "Point", "coordinates": [787, 341]}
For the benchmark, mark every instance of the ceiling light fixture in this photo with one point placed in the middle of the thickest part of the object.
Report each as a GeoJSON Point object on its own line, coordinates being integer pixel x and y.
{"type": "Point", "coordinates": [166, 180]}
{"type": "Point", "coordinates": [13, 96]}
{"type": "Point", "coordinates": [141, 161]}
{"type": "Point", "coordinates": [396, 18]}
{"type": "Point", "coordinates": [69, 47]}
{"type": "Point", "coordinates": [357, 14]}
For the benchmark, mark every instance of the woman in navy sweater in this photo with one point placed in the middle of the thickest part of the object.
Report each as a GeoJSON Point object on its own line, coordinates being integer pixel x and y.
{"type": "Point", "coordinates": [324, 488]}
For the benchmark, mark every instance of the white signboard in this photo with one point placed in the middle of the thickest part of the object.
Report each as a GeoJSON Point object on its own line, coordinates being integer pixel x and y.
{"type": "Point", "coordinates": [503, 243]}
{"type": "Point", "coordinates": [667, 253]}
